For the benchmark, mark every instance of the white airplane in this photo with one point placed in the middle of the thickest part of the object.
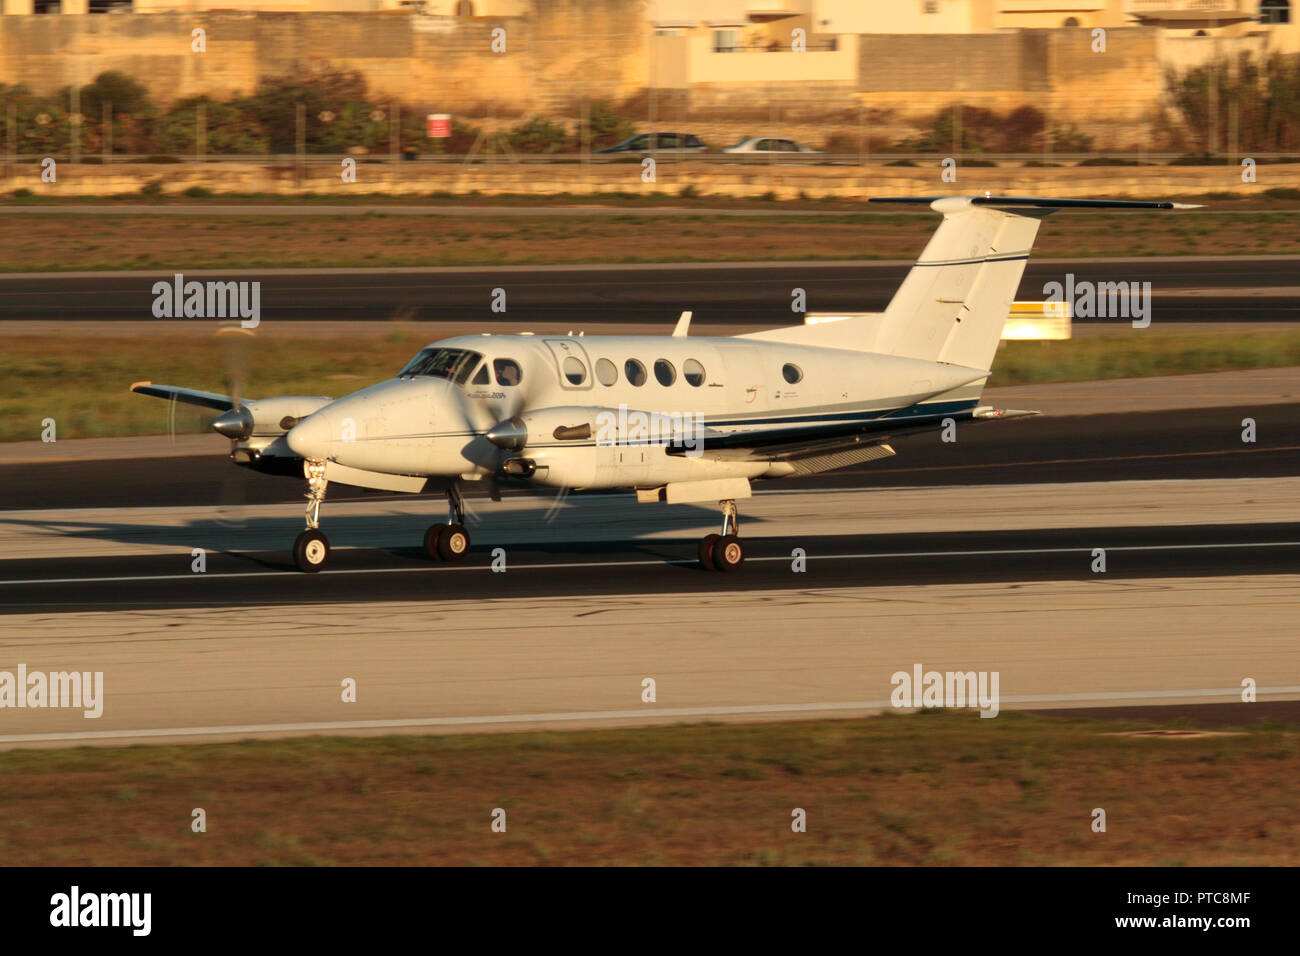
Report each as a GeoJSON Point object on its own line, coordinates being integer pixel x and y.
{"type": "Point", "coordinates": [675, 418]}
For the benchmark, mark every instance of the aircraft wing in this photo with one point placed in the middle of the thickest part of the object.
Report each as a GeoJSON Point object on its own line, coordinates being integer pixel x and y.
{"type": "Point", "coordinates": [850, 442]}
{"type": "Point", "coordinates": [189, 396]}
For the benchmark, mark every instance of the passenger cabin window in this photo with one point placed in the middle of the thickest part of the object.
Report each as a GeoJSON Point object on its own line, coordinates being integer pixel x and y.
{"type": "Point", "coordinates": [574, 370]}
{"type": "Point", "coordinates": [508, 372]}
{"type": "Point", "coordinates": [693, 372]}
{"type": "Point", "coordinates": [792, 373]}
{"type": "Point", "coordinates": [606, 372]}
{"type": "Point", "coordinates": [482, 377]}
{"type": "Point", "coordinates": [665, 372]}
{"type": "Point", "coordinates": [634, 372]}
{"type": "Point", "coordinates": [453, 364]}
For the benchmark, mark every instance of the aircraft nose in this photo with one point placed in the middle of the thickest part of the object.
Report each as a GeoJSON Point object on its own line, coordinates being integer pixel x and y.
{"type": "Point", "coordinates": [312, 437]}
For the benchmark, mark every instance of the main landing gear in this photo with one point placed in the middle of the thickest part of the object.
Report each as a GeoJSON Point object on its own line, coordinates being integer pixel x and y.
{"type": "Point", "coordinates": [449, 542]}
{"type": "Point", "coordinates": [312, 548]}
{"type": "Point", "coordinates": [723, 552]}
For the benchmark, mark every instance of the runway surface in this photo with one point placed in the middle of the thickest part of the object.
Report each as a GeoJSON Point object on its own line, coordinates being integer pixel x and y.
{"type": "Point", "coordinates": [754, 295]}
{"type": "Point", "coordinates": [507, 663]}
{"type": "Point", "coordinates": [608, 544]}
{"type": "Point", "coordinates": [248, 579]}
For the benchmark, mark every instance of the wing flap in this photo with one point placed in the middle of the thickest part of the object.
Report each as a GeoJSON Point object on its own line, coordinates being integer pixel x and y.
{"type": "Point", "coordinates": [793, 443]}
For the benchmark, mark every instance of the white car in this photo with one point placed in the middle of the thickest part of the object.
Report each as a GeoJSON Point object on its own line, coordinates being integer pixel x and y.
{"type": "Point", "coordinates": [769, 144]}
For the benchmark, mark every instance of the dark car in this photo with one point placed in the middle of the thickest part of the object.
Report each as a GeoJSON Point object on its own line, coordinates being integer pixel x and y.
{"type": "Point", "coordinates": [646, 144]}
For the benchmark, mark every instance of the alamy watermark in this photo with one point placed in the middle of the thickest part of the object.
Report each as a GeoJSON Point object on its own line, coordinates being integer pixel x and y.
{"type": "Point", "coordinates": [922, 688]}
{"type": "Point", "coordinates": [75, 908]}
{"type": "Point", "coordinates": [72, 689]}
{"type": "Point", "coordinates": [632, 427]}
{"type": "Point", "coordinates": [179, 299]}
{"type": "Point", "coordinates": [1104, 300]}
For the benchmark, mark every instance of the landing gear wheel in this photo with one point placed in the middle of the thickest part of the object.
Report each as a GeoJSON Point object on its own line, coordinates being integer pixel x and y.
{"type": "Point", "coordinates": [728, 554]}
{"type": "Point", "coordinates": [706, 551]}
{"type": "Point", "coordinates": [310, 551]}
{"type": "Point", "coordinates": [431, 539]}
{"type": "Point", "coordinates": [453, 543]}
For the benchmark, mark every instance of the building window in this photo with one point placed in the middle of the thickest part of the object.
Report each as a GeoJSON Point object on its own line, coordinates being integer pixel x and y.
{"type": "Point", "coordinates": [1275, 11]}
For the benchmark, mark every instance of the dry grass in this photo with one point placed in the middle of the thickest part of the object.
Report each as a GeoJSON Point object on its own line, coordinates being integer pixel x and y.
{"type": "Point", "coordinates": [47, 240]}
{"type": "Point", "coordinates": [936, 788]}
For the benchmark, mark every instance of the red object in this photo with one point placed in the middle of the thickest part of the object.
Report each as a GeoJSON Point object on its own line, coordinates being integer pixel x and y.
{"type": "Point", "coordinates": [439, 125]}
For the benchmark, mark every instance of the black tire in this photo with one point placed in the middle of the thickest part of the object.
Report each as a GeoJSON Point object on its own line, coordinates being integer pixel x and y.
{"type": "Point", "coordinates": [453, 544]}
{"type": "Point", "coordinates": [728, 553]}
{"type": "Point", "coordinates": [705, 552]}
{"type": "Point", "coordinates": [310, 551]}
{"type": "Point", "coordinates": [431, 539]}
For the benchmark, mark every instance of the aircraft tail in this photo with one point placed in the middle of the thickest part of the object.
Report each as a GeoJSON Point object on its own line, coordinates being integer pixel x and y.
{"type": "Point", "coordinates": [955, 300]}
{"type": "Point", "coordinates": [953, 303]}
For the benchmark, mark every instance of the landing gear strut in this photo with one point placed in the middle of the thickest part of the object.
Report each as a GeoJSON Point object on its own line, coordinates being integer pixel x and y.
{"type": "Point", "coordinates": [312, 548]}
{"type": "Point", "coordinates": [450, 541]}
{"type": "Point", "coordinates": [723, 552]}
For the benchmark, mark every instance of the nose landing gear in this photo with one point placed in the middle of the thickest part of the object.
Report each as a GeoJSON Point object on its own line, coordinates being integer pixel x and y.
{"type": "Point", "coordinates": [723, 552]}
{"type": "Point", "coordinates": [449, 542]}
{"type": "Point", "coordinates": [312, 548]}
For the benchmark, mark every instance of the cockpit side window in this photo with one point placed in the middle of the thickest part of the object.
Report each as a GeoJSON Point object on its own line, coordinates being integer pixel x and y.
{"type": "Point", "coordinates": [482, 377]}
{"type": "Point", "coordinates": [508, 371]}
{"type": "Point", "coordinates": [454, 364]}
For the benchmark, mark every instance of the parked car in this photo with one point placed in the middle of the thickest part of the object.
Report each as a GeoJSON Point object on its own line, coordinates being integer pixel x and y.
{"type": "Point", "coordinates": [769, 144]}
{"type": "Point", "coordinates": [646, 144]}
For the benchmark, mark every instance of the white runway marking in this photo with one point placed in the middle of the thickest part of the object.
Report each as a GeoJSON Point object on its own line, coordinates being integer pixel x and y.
{"type": "Point", "coordinates": [1234, 693]}
{"type": "Point", "coordinates": [633, 564]}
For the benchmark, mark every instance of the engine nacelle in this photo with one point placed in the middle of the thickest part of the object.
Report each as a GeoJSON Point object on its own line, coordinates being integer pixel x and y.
{"type": "Point", "coordinates": [267, 417]}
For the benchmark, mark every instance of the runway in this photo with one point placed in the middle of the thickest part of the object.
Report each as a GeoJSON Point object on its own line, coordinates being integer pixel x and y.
{"type": "Point", "coordinates": [608, 544]}
{"type": "Point", "coordinates": [611, 568]}
{"type": "Point", "coordinates": [507, 663]}
{"type": "Point", "coordinates": [746, 295]}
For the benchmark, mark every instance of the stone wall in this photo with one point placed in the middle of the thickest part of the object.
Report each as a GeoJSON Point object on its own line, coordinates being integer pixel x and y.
{"type": "Point", "coordinates": [568, 50]}
{"type": "Point", "coordinates": [565, 51]}
{"type": "Point", "coordinates": [1109, 95]}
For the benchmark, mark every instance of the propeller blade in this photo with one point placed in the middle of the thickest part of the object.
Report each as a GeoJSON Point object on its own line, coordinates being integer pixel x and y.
{"type": "Point", "coordinates": [235, 342]}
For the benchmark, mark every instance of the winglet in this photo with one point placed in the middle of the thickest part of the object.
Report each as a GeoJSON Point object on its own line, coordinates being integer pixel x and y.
{"type": "Point", "coordinates": [683, 324]}
{"type": "Point", "coordinates": [136, 386]}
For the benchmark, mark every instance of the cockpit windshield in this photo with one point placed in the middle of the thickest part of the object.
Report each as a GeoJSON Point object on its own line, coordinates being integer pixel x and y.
{"type": "Point", "coordinates": [454, 364]}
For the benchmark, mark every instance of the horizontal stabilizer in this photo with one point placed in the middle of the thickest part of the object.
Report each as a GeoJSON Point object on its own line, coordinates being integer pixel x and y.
{"type": "Point", "coordinates": [1033, 202]}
